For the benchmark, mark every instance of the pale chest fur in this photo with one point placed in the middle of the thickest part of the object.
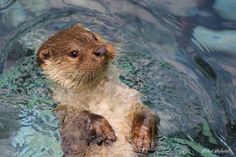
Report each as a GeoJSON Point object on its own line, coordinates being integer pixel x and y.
{"type": "Point", "coordinates": [114, 101]}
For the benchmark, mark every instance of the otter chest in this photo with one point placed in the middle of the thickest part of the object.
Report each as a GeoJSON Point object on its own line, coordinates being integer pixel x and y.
{"type": "Point", "coordinates": [114, 102]}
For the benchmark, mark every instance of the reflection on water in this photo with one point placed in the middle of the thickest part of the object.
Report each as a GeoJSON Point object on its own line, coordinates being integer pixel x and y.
{"type": "Point", "coordinates": [179, 54]}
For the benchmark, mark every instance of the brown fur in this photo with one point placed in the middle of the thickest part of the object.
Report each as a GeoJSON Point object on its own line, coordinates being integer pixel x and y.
{"type": "Point", "coordinates": [86, 70]}
{"type": "Point", "coordinates": [100, 116]}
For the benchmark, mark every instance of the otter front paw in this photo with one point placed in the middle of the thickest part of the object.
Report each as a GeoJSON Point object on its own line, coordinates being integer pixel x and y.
{"type": "Point", "coordinates": [144, 133]}
{"type": "Point", "coordinates": [99, 130]}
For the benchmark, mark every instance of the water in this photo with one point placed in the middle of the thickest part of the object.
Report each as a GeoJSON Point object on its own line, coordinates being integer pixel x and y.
{"type": "Point", "coordinates": [179, 54]}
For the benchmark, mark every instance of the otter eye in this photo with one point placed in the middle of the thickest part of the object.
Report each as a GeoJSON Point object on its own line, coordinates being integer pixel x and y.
{"type": "Point", "coordinates": [73, 54]}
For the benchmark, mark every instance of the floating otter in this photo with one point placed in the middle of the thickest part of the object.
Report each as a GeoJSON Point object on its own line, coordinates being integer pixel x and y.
{"type": "Point", "coordinates": [100, 115]}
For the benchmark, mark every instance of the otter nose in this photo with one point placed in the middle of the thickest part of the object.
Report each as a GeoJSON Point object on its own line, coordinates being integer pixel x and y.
{"type": "Point", "coordinates": [100, 51]}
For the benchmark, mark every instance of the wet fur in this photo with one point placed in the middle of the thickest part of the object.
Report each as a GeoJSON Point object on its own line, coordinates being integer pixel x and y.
{"type": "Point", "coordinates": [114, 101]}
{"type": "Point", "coordinates": [88, 87]}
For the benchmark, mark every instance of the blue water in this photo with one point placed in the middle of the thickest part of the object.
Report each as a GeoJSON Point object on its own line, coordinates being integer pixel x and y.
{"type": "Point", "coordinates": [180, 54]}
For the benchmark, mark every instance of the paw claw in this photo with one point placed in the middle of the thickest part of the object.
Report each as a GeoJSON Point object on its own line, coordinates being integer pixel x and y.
{"type": "Point", "coordinates": [144, 135]}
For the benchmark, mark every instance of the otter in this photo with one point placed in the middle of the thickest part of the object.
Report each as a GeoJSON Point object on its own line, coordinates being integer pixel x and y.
{"type": "Point", "coordinates": [100, 116]}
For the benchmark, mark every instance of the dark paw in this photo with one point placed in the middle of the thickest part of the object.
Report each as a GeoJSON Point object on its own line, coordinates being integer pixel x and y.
{"type": "Point", "coordinates": [142, 142]}
{"type": "Point", "coordinates": [144, 134]}
{"type": "Point", "coordinates": [100, 131]}
{"type": "Point", "coordinates": [73, 146]}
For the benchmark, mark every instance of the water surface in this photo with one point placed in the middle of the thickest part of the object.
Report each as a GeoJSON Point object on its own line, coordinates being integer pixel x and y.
{"type": "Point", "coordinates": [179, 54]}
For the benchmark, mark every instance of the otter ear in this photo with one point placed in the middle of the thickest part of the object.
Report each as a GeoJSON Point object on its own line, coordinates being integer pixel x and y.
{"type": "Point", "coordinates": [43, 55]}
{"type": "Point", "coordinates": [78, 25]}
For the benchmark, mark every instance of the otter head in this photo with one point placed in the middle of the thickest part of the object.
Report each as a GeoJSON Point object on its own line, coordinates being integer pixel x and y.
{"type": "Point", "coordinates": [75, 57]}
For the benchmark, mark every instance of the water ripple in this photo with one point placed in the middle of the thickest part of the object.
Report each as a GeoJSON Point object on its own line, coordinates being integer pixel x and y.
{"type": "Point", "coordinates": [6, 3]}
